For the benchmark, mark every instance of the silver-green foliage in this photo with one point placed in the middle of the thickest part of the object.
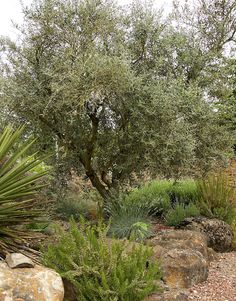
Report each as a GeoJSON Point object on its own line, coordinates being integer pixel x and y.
{"type": "Point", "coordinates": [102, 269]}
{"type": "Point", "coordinates": [129, 221]}
{"type": "Point", "coordinates": [113, 93]}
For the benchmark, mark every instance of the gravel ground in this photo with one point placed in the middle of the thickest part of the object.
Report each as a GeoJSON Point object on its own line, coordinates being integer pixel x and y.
{"type": "Point", "coordinates": [221, 282]}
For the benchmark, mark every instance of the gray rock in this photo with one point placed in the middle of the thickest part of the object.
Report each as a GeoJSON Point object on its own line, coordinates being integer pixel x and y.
{"type": "Point", "coordinates": [17, 260]}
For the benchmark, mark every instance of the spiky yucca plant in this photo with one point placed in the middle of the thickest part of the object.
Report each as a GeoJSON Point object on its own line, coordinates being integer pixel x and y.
{"type": "Point", "coordinates": [18, 186]}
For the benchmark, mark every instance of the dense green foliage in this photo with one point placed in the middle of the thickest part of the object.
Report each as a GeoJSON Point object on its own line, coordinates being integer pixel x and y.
{"type": "Point", "coordinates": [184, 191]}
{"type": "Point", "coordinates": [158, 196]}
{"type": "Point", "coordinates": [117, 92]}
{"type": "Point", "coordinates": [154, 191]}
{"type": "Point", "coordinates": [99, 268]}
{"type": "Point", "coordinates": [213, 196]}
{"type": "Point", "coordinates": [18, 185]}
{"type": "Point", "coordinates": [179, 212]}
{"type": "Point", "coordinates": [217, 198]}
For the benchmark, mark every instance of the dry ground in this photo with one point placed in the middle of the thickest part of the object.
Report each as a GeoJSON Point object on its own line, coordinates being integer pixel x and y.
{"type": "Point", "coordinates": [221, 282]}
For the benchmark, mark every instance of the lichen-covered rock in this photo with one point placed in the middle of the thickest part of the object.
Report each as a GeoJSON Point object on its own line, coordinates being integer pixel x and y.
{"type": "Point", "coordinates": [179, 239]}
{"type": "Point", "coordinates": [173, 295]}
{"type": "Point", "coordinates": [18, 260]}
{"type": "Point", "coordinates": [183, 256]}
{"type": "Point", "coordinates": [219, 234]}
{"type": "Point", "coordinates": [30, 284]}
{"type": "Point", "coordinates": [183, 268]}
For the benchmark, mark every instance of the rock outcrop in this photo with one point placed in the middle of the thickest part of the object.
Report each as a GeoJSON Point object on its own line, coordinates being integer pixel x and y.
{"type": "Point", "coordinates": [29, 284]}
{"type": "Point", "coordinates": [219, 234]}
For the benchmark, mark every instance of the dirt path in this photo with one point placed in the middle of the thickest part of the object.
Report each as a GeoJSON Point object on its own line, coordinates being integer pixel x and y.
{"type": "Point", "coordinates": [221, 282]}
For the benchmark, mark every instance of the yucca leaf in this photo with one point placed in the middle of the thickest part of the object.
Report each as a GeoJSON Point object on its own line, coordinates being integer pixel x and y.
{"type": "Point", "coordinates": [17, 186]}
{"type": "Point", "coordinates": [21, 151]}
{"type": "Point", "coordinates": [20, 184]}
{"type": "Point", "coordinates": [21, 169]}
{"type": "Point", "coordinates": [9, 140]}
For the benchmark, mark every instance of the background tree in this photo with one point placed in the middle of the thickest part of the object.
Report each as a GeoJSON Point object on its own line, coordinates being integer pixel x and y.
{"type": "Point", "coordinates": [112, 93]}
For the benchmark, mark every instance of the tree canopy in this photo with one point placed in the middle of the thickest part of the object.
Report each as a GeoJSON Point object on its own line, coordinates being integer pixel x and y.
{"type": "Point", "coordinates": [117, 92]}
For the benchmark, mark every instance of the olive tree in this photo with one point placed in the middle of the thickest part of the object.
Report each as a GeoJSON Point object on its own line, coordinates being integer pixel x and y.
{"type": "Point", "coordinates": [107, 91]}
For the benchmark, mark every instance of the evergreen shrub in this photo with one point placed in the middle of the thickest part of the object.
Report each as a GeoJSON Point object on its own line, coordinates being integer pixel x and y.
{"type": "Point", "coordinates": [179, 212]}
{"type": "Point", "coordinates": [102, 269]}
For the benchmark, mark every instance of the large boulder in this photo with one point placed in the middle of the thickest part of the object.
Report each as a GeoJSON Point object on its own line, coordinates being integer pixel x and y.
{"type": "Point", "coordinates": [30, 284]}
{"type": "Point", "coordinates": [219, 234]}
{"type": "Point", "coordinates": [184, 268]}
{"type": "Point", "coordinates": [183, 255]}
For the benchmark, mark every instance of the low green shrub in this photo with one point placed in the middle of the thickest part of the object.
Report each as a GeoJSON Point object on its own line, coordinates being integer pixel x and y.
{"type": "Point", "coordinates": [75, 207]}
{"type": "Point", "coordinates": [154, 197]}
{"type": "Point", "coordinates": [158, 196]}
{"type": "Point", "coordinates": [217, 198]}
{"type": "Point", "coordinates": [99, 268]}
{"type": "Point", "coordinates": [184, 192]}
{"type": "Point", "coordinates": [179, 212]}
{"type": "Point", "coordinates": [128, 220]}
